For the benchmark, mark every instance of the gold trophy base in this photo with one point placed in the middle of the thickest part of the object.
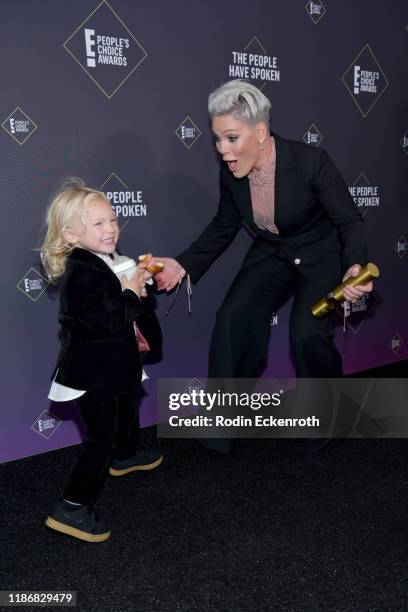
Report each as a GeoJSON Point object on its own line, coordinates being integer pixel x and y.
{"type": "Point", "coordinates": [367, 273]}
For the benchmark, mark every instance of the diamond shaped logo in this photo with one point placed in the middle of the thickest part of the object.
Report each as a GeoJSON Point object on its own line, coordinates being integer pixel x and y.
{"type": "Point", "coordinates": [396, 343]}
{"type": "Point", "coordinates": [33, 284]}
{"type": "Point", "coordinates": [356, 313]}
{"type": "Point", "coordinates": [404, 142]}
{"type": "Point", "coordinates": [401, 246]}
{"type": "Point", "coordinates": [19, 126]}
{"type": "Point", "coordinates": [364, 194]}
{"type": "Point", "coordinates": [255, 64]}
{"type": "Point", "coordinates": [313, 136]}
{"type": "Point", "coordinates": [194, 385]}
{"type": "Point", "coordinates": [105, 49]}
{"type": "Point", "coordinates": [188, 132]}
{"type": "Point", "coordinates": [126, 202]}
{"type": "Point", "coordinates": [365, 80]}
{"type": "Point", "coordinates": [113, 183]}
{"type": "Point", "coordinates": [263, 67]}
{"type": "Point", "coordinates": [315, 10]}
{"type": "Point", "coordinates": [46, 424]}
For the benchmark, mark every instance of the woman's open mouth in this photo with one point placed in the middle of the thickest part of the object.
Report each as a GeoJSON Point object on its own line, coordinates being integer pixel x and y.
{"type": "Point", "coordinates": [232, 165]}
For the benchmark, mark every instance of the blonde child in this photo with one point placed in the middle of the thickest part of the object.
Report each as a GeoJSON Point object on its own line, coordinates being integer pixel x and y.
{"type": "Point", "coordinates": [99, 365]}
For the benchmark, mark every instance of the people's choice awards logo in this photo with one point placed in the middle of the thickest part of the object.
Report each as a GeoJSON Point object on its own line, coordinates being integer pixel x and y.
{"type": "Point", "coordinates": [365, 196]}
{"type": "Point", "coordinates": [313, 136]}
{"type": "Point", "coordinates": [401, 246]}
{"type": "Point", "coordinates": [404, 142]}
{"type": "Point", "coordinates": [106, 49]}
{"type": "Point", "coordinates": [126, 202]}
{"type": "Point", "coordinates": [357, 312]}
{"type": "Point", "coordinates": [316, 10]}
{"type": "Point", "coordinates": [254, 63]}
{"type": "Point", "coordinates": [46, 424]}
{"type": "Point", "coordinates": [396, 343]}
{"type": "Point", "coordinates": [33, 284]}
{"type": "Point", "coordinates": [19, 126]}
{"type": "Point", "coordinates": [188, 132]}
{"type": "Point", "coordinates": [196, 385]}
{"type": "Point", "coordinates": [365, 80]}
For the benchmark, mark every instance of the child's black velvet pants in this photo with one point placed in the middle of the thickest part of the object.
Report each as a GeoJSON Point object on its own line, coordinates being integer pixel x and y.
{"type": "Point", "coordinates": [111, 432]}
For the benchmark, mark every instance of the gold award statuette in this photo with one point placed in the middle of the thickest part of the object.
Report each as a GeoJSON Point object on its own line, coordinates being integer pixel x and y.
{"type": "Point", "coordinates": [327, 303]}
{"type": "Point", "coordinates": [154, 268]}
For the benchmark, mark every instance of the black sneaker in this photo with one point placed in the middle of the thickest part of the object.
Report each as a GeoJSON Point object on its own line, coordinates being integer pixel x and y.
{"type": "Point", "coordinates": [145, 459]}
{"type": "Point", "coordinates": [77, 521]}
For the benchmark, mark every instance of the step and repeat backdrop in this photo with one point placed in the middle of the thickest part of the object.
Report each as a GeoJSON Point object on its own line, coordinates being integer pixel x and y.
{"type": "Point", "coordinates": [116, 93]}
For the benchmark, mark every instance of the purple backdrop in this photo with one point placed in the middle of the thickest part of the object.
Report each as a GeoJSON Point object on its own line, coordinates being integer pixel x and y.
{"type": "Point", "coordinates": [116, 93]}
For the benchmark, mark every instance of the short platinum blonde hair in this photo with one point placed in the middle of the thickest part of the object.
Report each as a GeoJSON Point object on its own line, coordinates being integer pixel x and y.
{"type": "Point", "coordinates": [68, 205]}
{"type": "Point", "coordinates": [241, 98]}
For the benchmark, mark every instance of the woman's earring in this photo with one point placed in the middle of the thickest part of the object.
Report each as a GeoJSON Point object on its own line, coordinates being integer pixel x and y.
{"type": "Point", "coordinates": [261, 146]}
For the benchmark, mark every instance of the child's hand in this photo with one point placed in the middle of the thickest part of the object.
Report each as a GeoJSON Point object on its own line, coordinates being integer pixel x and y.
{"type": "Point", "coordinates": [168, 276]}
{"type": "Point", "coordinates": [151, 264]}
{"type": "Point", "coordinates": [137, 283]}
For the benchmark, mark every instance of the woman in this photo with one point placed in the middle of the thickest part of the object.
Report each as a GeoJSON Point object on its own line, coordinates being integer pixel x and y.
{"type": "Point", "coordinates": [308, 235]}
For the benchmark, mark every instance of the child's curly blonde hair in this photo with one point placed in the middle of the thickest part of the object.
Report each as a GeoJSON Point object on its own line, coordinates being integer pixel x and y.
{"type": "Point", "coordinates": [69, 204]}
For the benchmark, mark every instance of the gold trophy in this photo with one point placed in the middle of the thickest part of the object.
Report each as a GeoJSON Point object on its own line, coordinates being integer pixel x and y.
{"type": "Point", "coordinates": [153, 268]}
{"type": "Point", "coordinates": [327, 303]}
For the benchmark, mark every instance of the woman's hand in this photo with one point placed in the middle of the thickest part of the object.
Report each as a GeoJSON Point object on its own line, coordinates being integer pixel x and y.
{"type": "Point", "coordinates": [172, 274]}
{"type": "Point", "coordinates": [137, 283]}
{"type": "Point", "coordinates": [352, 294]}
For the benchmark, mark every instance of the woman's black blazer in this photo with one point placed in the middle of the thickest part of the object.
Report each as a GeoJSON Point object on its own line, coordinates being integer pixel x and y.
{"type": "Point", "coordinates": [314, 211]}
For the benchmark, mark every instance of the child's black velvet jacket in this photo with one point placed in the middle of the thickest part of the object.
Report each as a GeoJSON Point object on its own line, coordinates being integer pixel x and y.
{"type": "Point", "coordinates": [99, 350]}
